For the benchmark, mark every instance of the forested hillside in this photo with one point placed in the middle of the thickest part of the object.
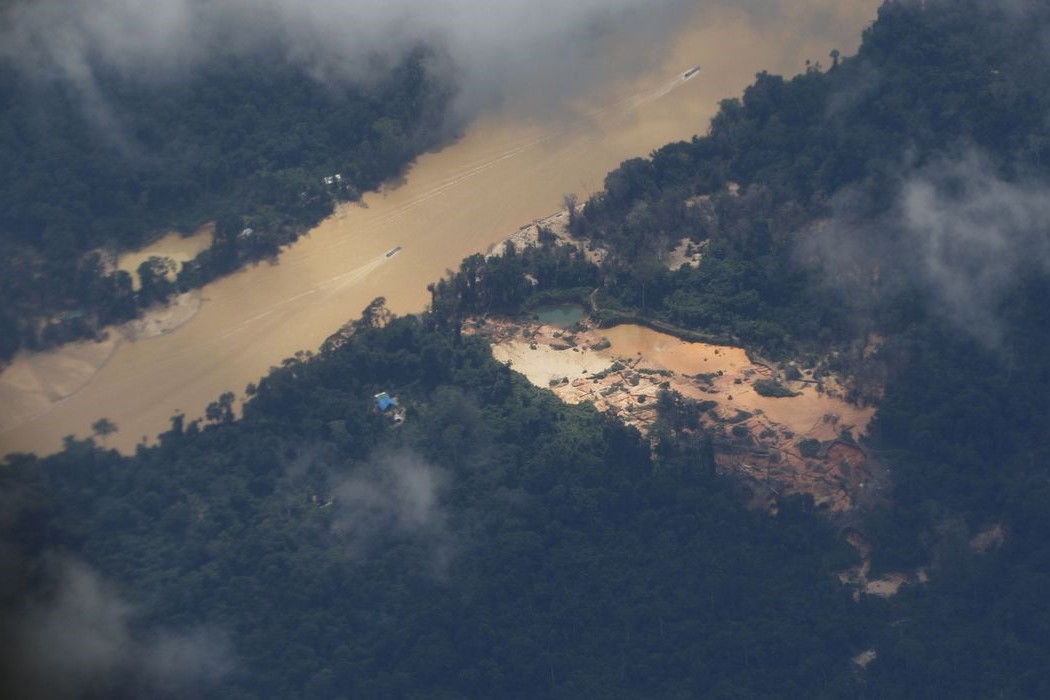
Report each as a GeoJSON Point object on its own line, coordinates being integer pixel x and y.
{"type": "Point", "coordinates": [246, 141]}
{"type": "Point", "coordinates": [800, 190]}
{"type": "Point", "coordinates": [496, 544]}
{"type": "Point", "coordinates": [885, 215]}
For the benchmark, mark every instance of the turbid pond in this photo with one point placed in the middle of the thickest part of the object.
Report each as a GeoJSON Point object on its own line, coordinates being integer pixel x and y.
{"type": "Point", "coordinates": [562, 315]}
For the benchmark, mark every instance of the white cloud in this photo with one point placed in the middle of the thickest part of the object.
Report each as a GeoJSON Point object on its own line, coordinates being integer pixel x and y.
{"type": "Point", "coordinates": [81, 640]}
{"type": "Point", "coordinates": [487, 45]}
{"type": "Point", "coordinates": [396, 496]}
{"type": "Point", "coordinates": [976, 235]}
{"type": "Point", "coordinates": [957, 232]}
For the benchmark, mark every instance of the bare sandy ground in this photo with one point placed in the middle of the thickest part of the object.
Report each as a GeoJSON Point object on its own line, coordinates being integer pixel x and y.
{"type": "Point", "coordinates": [623, 369]}
{"type": "Point", "coordinates": [685, 254]}
{"type": "Point", "coordinates": [558, 224]}
{"type": "Point", "coordinates": [810, 414]}
{"type": "Point", "coordinates": [36, 381]}
{"type": "Point", "coordinates": [888, 585]}
{"type": "Point", "coordinates": [174, 246]}
{"type": "Point", "coordinates": [163, 319]}
{"type": "Point", "coordinates": [859, 577]}
{"type": "Point", "coordinates": [543, 363]}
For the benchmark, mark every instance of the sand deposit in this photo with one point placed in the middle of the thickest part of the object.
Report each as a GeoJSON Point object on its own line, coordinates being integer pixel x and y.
{"type": "Point", "coordinates": [558, 224]}
{"type": "Point", "coordinates": [804, 443]}
{"type": "Point", "coordinates": [174, 246]}
{"type": "Point", "coordinates": [164, 318]}
{"type": "Point", "coordinates": [859, 577]}
{"type": "Point", "coordinates": [36, 381]}
{"type": "Point", "coordinates": [686, 253]}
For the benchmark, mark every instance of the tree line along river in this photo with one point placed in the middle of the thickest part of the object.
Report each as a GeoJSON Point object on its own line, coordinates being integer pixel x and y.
{"type": "Point", "coordinates": [505, 171]}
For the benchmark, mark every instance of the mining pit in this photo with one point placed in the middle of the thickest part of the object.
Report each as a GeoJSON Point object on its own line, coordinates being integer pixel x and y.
{"type": "Point", "coordinates": [780, 436]}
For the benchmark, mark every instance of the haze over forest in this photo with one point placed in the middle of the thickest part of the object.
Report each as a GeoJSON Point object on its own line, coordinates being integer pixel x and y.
{"type": "Point", "coordinates": [541, 51]}
{"type": "Point", "coordinates": [866, 234]}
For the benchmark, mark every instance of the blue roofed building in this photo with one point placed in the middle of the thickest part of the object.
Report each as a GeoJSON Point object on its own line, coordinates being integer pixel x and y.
{"type": "Point", "coordinates": [384, 402]}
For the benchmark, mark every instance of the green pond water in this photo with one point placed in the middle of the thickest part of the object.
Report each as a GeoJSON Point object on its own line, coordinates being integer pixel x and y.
{"type": "Point", "coordinates": [563, 315]}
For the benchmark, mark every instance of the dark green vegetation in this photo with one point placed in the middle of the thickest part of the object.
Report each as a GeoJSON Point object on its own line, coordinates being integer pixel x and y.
{"type": "Point", "coordinates": [965, 429]}
{"type": "Point", "coordinates": [499, 543]}
{"type": "Point", "coordinates": [771, 387]}
{"type": "Point", "coordinates": [246, 142]}
{"type": "Point", "coordinates": [558, 558]}
{"type": "Point", "coordinates": [825, 145]}
{"type": "Point", "coordinates": [501, 284]}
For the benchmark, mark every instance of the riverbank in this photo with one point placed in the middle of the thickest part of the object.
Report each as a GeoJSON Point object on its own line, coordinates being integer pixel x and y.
{"type": "Point", "coordinates": [164, 318]}
{"type": "Point", "coordinates": [34, 382]}
{"type": "Point", "coordinates": [507, 169]}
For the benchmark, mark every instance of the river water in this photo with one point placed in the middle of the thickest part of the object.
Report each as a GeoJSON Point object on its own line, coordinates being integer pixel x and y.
{"type": "Point", "coordinates": [507, 170]}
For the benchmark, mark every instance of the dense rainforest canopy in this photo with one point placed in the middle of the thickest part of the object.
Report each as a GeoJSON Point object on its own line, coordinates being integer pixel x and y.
{"type": "Point", "coordinates": [820, 170]}
{"type": "Point", "coordinates": [499, 543]}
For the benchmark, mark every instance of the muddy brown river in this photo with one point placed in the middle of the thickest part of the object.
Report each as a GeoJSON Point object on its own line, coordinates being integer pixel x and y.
{"type": "Point", "coordinates": [506, 171]}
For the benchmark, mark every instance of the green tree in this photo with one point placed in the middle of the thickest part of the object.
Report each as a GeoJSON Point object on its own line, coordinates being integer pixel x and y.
{"type": "Point", "coordinates": [154, 281]}
{"type": "Point", "coordinates": [221, 411]}
{"type": "Point", "coordinates": [103, 428]}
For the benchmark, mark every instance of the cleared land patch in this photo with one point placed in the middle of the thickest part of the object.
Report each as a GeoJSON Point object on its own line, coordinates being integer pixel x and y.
{"type": "Point", "coordinates": [787, 437]}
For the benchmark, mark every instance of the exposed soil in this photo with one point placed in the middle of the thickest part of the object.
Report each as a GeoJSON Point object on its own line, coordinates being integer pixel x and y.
{"type": "Point", "coordinates": [558, 224]}
{"type": "Point", "coordinates": [859, 576]}
{"type": "Point", "coordinates": [799, 444]}
{"type": "Point", "coordinates": [164, 318]}
{"type": "Point", "coordinates": [686, 253]}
